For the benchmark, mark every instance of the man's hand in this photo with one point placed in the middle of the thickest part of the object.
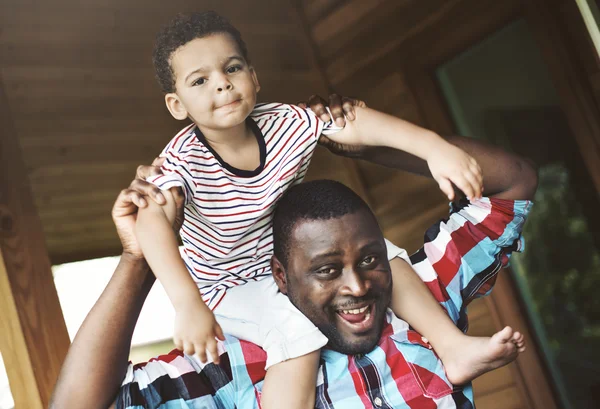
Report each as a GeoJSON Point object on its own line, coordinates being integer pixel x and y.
{"type": "Point", "coordinates": [124, 212]}
{"type": "Point", "coordinates": [342, 109]}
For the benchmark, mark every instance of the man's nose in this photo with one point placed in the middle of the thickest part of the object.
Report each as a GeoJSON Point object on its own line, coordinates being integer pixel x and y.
{"type": "Point", "coordinates": [354, 284]}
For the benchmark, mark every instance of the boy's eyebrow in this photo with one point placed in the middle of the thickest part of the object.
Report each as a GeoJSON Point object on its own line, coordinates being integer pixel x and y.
{"type": "Point", "coordinates": [227, 61]}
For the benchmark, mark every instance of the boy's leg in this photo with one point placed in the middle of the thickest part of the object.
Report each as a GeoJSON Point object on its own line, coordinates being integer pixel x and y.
{"type": "Point", "coordinates": [292, 383]}
{"type": "Point", "coordinates": [464, 357]}
{"type": "Point", "coordinates": [259, 313]}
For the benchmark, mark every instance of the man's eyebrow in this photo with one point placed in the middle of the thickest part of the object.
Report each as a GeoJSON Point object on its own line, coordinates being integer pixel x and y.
{"type": "Point", "coordinates": [325, 256]}
{"type": "Point", "coordinates": [374, 245]}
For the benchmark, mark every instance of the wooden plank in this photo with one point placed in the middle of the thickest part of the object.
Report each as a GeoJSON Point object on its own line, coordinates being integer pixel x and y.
{"type": "Point", "coordinates": [37, 341]}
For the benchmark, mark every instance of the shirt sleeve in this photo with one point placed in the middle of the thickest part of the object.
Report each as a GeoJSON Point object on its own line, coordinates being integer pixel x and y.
{"type": "Point", "coordinates": [179, 380]}
{"type": "Point", "coordinates": [177, 168]}
{"type": "Point", "coordinates": [322, 128]}
{"type": "Point", "coordinates": [463, 254]}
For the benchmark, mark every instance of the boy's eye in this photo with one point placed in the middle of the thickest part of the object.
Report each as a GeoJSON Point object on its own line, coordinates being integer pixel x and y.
{"type": "Point", "coordinates": [199, 81]}
{"type": "Point", "coordinates": [233, 68]}
{"type": "Point", "coordinates": [367, 261]}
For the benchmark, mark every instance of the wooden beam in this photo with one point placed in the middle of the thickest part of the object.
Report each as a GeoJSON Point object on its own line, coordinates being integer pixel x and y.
{"type": "Point", "coordinates": [33, 334]}
{"type": "Point", "coordinates": [353, 174]}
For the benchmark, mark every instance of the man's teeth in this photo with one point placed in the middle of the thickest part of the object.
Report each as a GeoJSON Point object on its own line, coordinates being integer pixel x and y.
{"type": "Point", "coordinates": [355, 311]}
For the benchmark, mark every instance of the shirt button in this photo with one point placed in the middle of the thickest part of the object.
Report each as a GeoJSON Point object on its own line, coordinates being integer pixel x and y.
{"type": "Point", "coordinates": [378, 401]}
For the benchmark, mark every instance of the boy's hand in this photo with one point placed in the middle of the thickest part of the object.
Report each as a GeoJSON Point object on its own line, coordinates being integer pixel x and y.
{"type": "Point", "coordinates": [124, 212]}
{"type": "Point", "coordinates": [451, 165]}
{"type": "Point", "coordinates": [342, 108]}
{"type": "Point", "coordinates": [196, 330]}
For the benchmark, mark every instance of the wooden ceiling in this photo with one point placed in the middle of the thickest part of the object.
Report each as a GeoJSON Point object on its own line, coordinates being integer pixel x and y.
{"type": "Point", "coordinates": [86, 107]}
{"type": "Point", "coordinates": [87, 110]}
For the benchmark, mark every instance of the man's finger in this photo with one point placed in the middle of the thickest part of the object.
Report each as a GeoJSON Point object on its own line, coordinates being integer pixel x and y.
{"type": "Point", "coordinates": [145, 171]}
{"type": "Point", "coordinates": [158, 161]}
{"type": "Point", "coordinates": [317, 105]}
{"type": "Point", "coordinates": [302, 104]}
{"type": "Point", "coordinates": [335, 106]}
{"type": "Point", "coordinates": [148, 189]}
{"type": "Point", "coordinates": [348, 107]}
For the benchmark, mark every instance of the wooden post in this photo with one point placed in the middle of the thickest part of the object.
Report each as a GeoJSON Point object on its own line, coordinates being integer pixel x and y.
{"type": "Point", "coordinates": [33, 334]}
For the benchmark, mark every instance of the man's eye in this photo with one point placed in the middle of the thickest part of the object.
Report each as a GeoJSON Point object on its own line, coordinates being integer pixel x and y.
{"type": "Point", "coordinates": [199, 81]}
{"type": "Point", "coordinates": [368, 261]}
{"type": "Point", "coordinates": [233, 68]}
{"type": "Point", "coordinates": [328, 271]}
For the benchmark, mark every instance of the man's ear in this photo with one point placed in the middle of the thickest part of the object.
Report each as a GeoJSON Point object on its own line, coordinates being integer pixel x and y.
{"type": "Point", "coordinates": [175, 106]}
{"type": "Point", "coordinates": [255, 78]}
{"type": "Point", "coordinates": [278, 271]}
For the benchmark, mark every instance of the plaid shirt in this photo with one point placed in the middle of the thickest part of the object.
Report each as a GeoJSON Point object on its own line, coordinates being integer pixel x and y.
{"type": "Point", "coordinates": [459, 262]}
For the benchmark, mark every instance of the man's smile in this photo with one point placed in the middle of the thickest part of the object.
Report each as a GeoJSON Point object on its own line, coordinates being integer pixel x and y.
{"type": "Point", "coordinates": [358, 319]}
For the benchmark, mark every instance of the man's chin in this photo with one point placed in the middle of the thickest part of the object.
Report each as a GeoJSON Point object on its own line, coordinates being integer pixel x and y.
{"type": "Point", "coordinates": [356, 335]}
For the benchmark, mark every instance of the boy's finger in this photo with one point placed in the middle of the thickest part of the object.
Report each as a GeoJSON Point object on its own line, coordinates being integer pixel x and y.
{"type": "Point", "coordinates": [178, 344]}
{"type": "Point", "coordinates": [201, 353]}
{"type": "Point", "coordinates": [475, 185]}
{"type": "Point", "coordinates": [446, 188]}
{"type": "Point", "coordinates": [213, 351]}
{"type": "Point", "coordinates": [464, 185]}
{"type": "Point", "coordinates": [188, 348]}
{"type": "Point", "coordinates": [219, 332]}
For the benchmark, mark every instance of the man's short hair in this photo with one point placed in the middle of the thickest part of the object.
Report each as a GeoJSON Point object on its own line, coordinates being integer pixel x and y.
{"type": "Point", "coordinates": [184, 28]}
{"type": "Point", "coordinates": [315, 200]}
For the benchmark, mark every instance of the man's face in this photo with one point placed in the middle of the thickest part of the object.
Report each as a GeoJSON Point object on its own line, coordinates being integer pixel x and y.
{"type": "Point", "coordinates": [215, 86]}
{"type": "Point", "coordinates": [338, 275]}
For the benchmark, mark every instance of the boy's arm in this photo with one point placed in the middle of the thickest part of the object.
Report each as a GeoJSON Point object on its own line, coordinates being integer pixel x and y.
{"type": "Point", "coordinates": [448, 164]}
{"type": "Point", "coordinates": [159, 246]}
{"type": "Point", "coordinates": [195, 324]}
{"type": "Point", "coordinates": [506, 175]}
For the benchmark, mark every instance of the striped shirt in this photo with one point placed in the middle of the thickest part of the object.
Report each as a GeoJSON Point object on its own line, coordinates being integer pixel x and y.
{"type": "Point", "coordinates": [459, 262]}
{"type": "Point", "coordinates": [227, 233]}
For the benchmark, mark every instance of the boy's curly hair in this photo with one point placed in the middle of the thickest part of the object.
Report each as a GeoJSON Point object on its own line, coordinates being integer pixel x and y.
{"type": "Point", "coordinates": [184, 28]}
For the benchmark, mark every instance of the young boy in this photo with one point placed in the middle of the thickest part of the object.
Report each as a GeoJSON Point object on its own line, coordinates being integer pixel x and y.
{"type": "Point", "coordinates": [233, 163]}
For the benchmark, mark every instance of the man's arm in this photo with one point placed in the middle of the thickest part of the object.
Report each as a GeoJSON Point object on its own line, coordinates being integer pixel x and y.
{"type": "Point", "coordinates": [96, 362]}
{"type": "Point", "coordinates": [506, 175]}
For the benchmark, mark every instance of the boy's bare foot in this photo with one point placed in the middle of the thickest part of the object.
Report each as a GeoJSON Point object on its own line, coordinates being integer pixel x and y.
{"type": "Point", "coordinates": [474, 356]}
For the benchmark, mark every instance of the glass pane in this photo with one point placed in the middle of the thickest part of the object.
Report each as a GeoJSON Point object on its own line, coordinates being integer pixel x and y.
{"type": "Point", "coordinates": [500, 91]}
{"type": "Point", "coordinates": [6, 398]}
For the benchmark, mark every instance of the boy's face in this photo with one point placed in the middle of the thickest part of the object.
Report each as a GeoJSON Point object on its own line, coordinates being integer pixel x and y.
{"type": "Point", "coordinates": [214, 84]}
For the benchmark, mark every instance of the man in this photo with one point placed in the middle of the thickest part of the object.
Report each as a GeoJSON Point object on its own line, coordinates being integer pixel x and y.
{"type": "Point", "coordinates": [329, 261]}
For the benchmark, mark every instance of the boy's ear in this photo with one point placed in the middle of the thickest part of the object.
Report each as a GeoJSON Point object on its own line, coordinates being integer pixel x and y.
{"type": "Point", "coordinates": [175, 106]}
{"type": "Point", "coordinates": [255, 78]}
{"type": "Point", "coordinates": [278, 272]}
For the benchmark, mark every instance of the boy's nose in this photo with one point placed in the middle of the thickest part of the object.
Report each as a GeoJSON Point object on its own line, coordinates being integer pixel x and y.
{"type": "Point", "coordinates": [224, 87]}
